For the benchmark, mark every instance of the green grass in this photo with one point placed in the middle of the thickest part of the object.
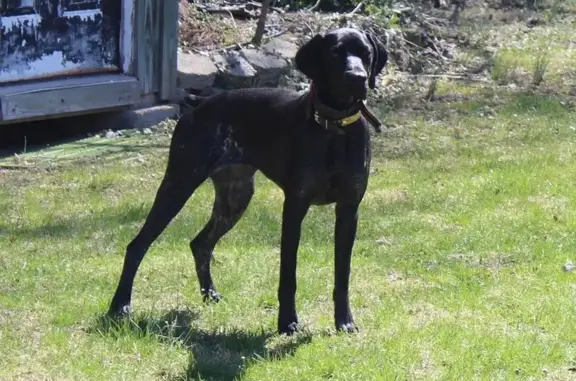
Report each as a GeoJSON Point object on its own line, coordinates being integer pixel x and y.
{"type": "Point", "coordinates": [456, 275]}
{"type": "Point", "coordinates": [515, 49]}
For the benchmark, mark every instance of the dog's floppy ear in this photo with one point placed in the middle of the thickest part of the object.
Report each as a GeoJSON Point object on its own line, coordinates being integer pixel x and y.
{"type": "Point", "coordinates": [308, 57]}
{"type": "Point", "coordinates": [379, 59]}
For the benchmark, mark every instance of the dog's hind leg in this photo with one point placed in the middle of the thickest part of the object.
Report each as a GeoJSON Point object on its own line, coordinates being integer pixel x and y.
{"type": "Point", "coordinates": [176, 188]}
{"type": "Point", "coordinates": [234, 187]}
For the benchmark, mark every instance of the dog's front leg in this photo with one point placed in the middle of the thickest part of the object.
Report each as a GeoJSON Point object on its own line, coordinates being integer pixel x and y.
{"type": "Point", "coordinates": [293, 213]}
{"type": "Point", "coordinates": [345, 235]}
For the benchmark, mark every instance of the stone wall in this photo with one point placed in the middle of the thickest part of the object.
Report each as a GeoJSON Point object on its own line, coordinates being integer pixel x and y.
{"type": "Point", "coordinates": [208, 72]}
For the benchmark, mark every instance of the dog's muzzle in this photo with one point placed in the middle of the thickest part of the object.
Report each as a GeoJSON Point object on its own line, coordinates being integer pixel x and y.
{"type": "Point", "coordinates": [357, 89]}
{"type": "Point", "coordinates": [356, 78]}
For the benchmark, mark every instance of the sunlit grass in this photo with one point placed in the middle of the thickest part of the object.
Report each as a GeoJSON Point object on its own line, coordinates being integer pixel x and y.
{"type": "Point", "coordinates": [457, 268]}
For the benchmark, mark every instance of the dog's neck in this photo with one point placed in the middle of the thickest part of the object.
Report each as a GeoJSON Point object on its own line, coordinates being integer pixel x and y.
{"type": "Point", "coordinates": [331, 110]}
{"type": "Point", "coordinates": [328, 107]}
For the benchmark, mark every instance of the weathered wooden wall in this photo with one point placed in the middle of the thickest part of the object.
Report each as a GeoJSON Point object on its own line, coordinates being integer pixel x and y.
{"type": "Point", "coordinates": [156, 38]}
{"type": "Point", "coordinates": [148, 48]}
{"type": "Point", "coordinates": [46, 39]}
{"type": "Point", "coordinates": [168, 67]}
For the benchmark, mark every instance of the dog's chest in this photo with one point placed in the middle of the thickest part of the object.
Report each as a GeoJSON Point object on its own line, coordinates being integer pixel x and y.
{"type": "Point", "coordinates": [339, 170]}
{"type": "Point", "coordinates": [326, 191]}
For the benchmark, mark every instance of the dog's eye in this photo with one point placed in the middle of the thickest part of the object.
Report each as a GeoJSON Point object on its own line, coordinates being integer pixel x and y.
{"type": "Point", "coordinates": [336, 51]}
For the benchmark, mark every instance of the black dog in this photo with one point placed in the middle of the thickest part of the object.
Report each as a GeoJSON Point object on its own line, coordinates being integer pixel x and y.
{"type": "Point", "coordinates": [314, 145]}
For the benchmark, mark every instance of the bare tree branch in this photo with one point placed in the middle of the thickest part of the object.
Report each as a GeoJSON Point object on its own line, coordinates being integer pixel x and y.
{"type": "Point", "coordinates": [257, 40]}
{"type": "Point", "coordinates": [356, 9]}
{"type": "Point", "coordinates": [313, 8]}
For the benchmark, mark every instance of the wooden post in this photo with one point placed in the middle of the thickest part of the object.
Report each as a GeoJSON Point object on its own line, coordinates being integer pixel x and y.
{"type": "Point", "coordinates": [169, 49]}
{"type": "Point", "coordinates": [147, 31]}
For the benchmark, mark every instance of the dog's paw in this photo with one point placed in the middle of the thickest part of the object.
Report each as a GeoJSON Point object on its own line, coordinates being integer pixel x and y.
{"type": "Point", "coordinates": [211, 296]}
{"type": "Point", "coordinates": [288, 329]}
{"type": "Point", "coordinates": [119, 312]}
{"type": "Point", "coordinates": [349, 327]}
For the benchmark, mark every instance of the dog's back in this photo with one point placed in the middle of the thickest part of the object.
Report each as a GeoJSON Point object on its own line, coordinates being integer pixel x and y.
{"type": "Point", "coordinates": [250, 101]}
{"type": "Point", "coordinates": [253, 109]}
{"type": "Point", "coordinates": [245, 126]}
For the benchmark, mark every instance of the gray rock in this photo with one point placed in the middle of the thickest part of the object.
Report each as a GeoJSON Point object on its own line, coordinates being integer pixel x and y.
{"type": "Point", "coordinates": [234, 64]}
{"type": "Point", "coordinates": [124, 122]}
{"type": "Point", "coordinates": [569, 267]}
{"type": "Point", "coordinates": [111, 134]}
{"type": "Point", "coordinates": [195, 71]}
{"type": "Point", "coordinates": [281, 47]}
{"type": "Point", "coordinates": [263, 61]}
{"type": "Point", "coordinates": [138, 118]}
{"type": "Point", "coordinates": [151, 116]}
{"type": "Point", "coordinates": [269, 67]}
{"type": "Point", "coordinates": [234, 71]}
{"type": "Point", "coordinates": [302, 86]}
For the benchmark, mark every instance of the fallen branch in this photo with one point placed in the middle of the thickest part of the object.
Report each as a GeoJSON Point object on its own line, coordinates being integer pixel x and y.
{"type": "Point", "coordinates": [313, 8]}
{"type": "Point", "coordinates": [258, 5]}
{"type": "Point", "coordinates": [431, 40]}
{"type": "Point", "coordinates": [429, 50]}
{"type": "Point", "coordinates": [450, 76]}
{"type": "Point", "coordinates": [400, 11]}
{"type": "Point", "coordinates": [236, 11]}
{"type": "Point", "coordinates": [360, 4]}
{"type": "Point", "coordinates": [309, 27]}
{"type": "Point", "coordinates": [15, 167]}
{"type": "Point", "coordinates": [233, 21]}
{"type": "Point", "coordinates": [240, 45]}
{"type": "Point", "coordinates": [437, 55]}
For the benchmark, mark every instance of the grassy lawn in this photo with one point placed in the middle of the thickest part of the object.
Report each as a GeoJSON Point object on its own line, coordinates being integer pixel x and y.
{"type": "Point", "coordinates": [457, 272]}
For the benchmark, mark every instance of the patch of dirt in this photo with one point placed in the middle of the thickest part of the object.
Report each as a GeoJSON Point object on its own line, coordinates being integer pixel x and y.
{"type": "Point", "coordinates": [550, 203]}
{"type": "Point", "coordinates": [34, 376]}
{"type": "Point", "coordinates": [559, 374]}
{"type": "Point", "coordinates": [388, 196]}
{"type": "Point", "coordinates": [423, 314]}
{"type": "Point", "coordinates": [490, 261]}
{"type": "Point", "coordinates": [426, 369]}
{"type": "Point", "coordinates": [397, 279]}
{"type": "Point", "coordinates": [15, 177]}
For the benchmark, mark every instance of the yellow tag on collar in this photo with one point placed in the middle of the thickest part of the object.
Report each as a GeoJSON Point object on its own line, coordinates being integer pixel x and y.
{"type": "Point", "coordinates": [351, 119]}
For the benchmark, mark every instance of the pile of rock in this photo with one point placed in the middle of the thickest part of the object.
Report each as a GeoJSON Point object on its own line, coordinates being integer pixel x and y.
{"type": "Point", "coordinates": [204, 73]}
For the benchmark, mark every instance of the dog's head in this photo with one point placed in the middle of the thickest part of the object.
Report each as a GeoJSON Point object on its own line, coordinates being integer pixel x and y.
{"type": "Point", "coordinates": [343, 63]}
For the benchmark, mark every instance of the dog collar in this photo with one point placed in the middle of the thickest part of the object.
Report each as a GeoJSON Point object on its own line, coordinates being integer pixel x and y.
{"type": "Point", "coordinates": [339, 122]}
{"type": "Point", "coordinates": [337, 119]}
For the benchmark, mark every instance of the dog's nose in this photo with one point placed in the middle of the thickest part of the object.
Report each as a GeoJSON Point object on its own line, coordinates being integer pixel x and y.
{"type": "Point", "coordinates": [356, 76]}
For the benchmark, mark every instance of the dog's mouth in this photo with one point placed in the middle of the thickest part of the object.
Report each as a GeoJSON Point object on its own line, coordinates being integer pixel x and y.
{"type": "Point", "coordinates": [356, 81]}
{"type": "Point", "coordinates": [346, 93]}
{"type": "Point", "coordinates": [357, 92]}
{"type": "Point", "coordinates": [361, 93]}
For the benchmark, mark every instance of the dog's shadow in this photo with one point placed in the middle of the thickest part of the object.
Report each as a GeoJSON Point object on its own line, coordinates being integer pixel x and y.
{"type": "Point", "coordinates": [221, 354]}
